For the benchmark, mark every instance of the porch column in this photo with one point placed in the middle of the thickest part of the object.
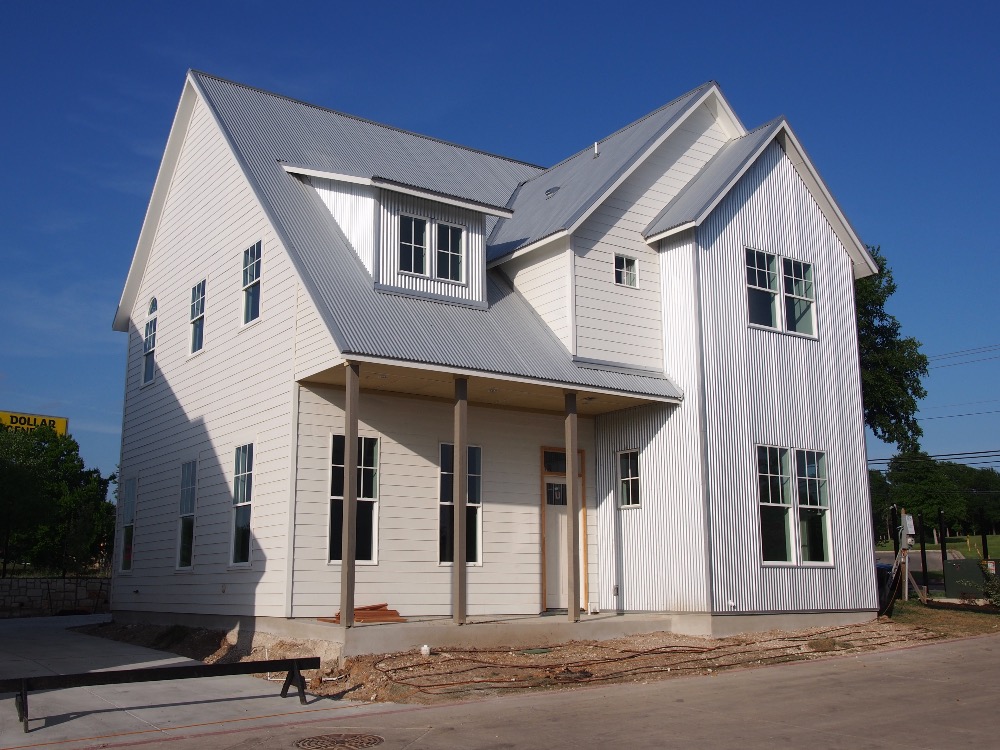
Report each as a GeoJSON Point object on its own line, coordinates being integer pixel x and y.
{"type": "Point", "coordinates": [349, 541]}
{"type": "Point", "coordinates": [572, 508]}
{"type": "Point", "coordinates": [459, 496]}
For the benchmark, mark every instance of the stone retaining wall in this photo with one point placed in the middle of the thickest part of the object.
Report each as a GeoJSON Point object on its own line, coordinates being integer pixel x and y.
{"type": "Point", "coordinates": [41, 597]}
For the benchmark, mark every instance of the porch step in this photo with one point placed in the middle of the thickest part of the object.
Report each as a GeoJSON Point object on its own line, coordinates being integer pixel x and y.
{"type": "Point", "coordinates": [369, 613]}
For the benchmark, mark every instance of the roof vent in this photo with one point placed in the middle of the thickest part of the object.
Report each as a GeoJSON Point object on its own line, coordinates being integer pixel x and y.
{"type": "Point", "coordinates": [596, 152]}
{"type": "Point", "coordinates": [551, 191]}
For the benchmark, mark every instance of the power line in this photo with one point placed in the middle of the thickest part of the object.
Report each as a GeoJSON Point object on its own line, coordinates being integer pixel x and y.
{"type": "Point", "coordinates": [967, 362]}
{"type": "Point", "coordinates": [966, 414]}
{"type": "Point", "coordinates": [965, 352]}
{"type": "Point", "coordinates": [973, 454]}
{"type": "Point", "coordinates": [962, 403]}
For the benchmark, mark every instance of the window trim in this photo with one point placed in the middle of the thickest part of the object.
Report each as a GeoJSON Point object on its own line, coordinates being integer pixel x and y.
{"type": "Point", "coordinates": [426, 273]}
{"type": "Point", "coordinates": [637, 478]}
{"type": "Point", "coordinates": [248, 503]}
{"type": "Point", "coordinates": [376, 501]}
{"type": "Point", "coordinates": [127, 506]}
{"type": "Point", "coordinates": [197, 319]}
{"type": "Point", "coordinates": [479, 516]}
{"type": "Point", "coordinates": [181, 515]}
{"type": "Point", "coordinates": [779, 295]}
{"type": "Point", "coordinates": [431, 251]}
{"type": "Point", "coordinates": [247, 285]}
{"type": "Point", "coordinates": [794, 506]}
{"type": "Point", "coordinates": [625, 271]}
{"type": "Point", "coordinates": [462, 242]}
{"type": "Point", "coordinates": [149, 344]}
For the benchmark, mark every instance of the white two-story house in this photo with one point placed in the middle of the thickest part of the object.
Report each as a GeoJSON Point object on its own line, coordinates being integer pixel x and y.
{"type": "Point", "coordinates": [625, 383]}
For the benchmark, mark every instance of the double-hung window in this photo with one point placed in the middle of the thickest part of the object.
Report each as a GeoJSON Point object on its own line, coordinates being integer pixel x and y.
{"type": "Point", "coordinates": [413, 245]}
{"type": "Point", "coordinates": [794, 505]}
{"type": "Point", "coordinates": [794, 285]}
{"type": "Point", "coordinates": [449, 252]}
{"type": "Point", "coordinates": [628, 479]}
{"type": "Point", "coordinates": [197, 316]}
{"type": "Point", "coordinates": [242, 498]}
{"type": "Point", "coordinates": [128, 524]}
{"type": "Point", "coordinates": [251, 283]}
{"type": "Point", "coordinates": [149, 345]}
{"type": "Point", "coordinates": [366, 520]}
{"type": "Point", "coordinates": [626, 273]}
{"type": "Point", "coordinates": [185, 521]}
{"type": "Point", "coordinates": [473, 507]}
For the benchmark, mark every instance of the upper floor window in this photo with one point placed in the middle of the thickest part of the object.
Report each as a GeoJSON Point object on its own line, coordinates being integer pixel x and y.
{"type": "Point", "coordinates": [366, 520]}
{"type": "Point", "coordinates": [449, 252]}
{"type": "Point", "coordinates": [242, 499]}
{"type": "Point", "coordinates": [149, 345]}
{"type": "Point", "coordinates": [794, 505]}
{"type": "Point", "coordinates": [197, 316]}
{"type": "Point", "coordinates": [798, 314]}
{"type": "Point", "coordinates": [412, 245]}
{"type": "Point", "coordinates": [626, 273]}
{"type": "Point", "coordinates": [251, 283]}
{"type": "Point", "coordinates": [628, 479]}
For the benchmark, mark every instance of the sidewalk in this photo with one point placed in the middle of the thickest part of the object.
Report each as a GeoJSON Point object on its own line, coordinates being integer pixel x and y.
{"type": "Point", "coordinates": [85, 717]}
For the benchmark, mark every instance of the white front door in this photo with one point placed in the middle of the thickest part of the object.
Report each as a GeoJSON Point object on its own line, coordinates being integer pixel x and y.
{"type": "Point", "coordinates": [557, 546]}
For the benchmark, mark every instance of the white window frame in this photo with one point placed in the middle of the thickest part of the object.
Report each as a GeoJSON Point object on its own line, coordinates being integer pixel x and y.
{"type": "Point", "coordinates": [784, 291]}
{"type": "Point", "coordinates": [242, 498]}
{"type": "Point", "coordinates": [468, 503]}
{"type": "Point", "coordinates": [129, 497]}
{"type": "Point", "coordinates": [449, 252]}
{"type": "Point", "coordinates": [634, 482]}
{"type": "Point", "coordinates": [373, 499]}
{"type": "Point", "coordinates": [186, 509]}
{"type": "Point", "coordinates": [198, 317]}
{"type": "Point", "coordinates": [149, 344]}
{"type": "Point", "coordinates": [796, 493]}
{"type": "Point", "coordinates": [412, 246]}
{"type": "Point", "coordinates": [629, 272]}
{"type": "Point", "coordinates": [252, 261]}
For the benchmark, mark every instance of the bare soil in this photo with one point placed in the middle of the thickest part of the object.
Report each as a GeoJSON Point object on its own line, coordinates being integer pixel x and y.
{"type": "Point", "coordinates": [456, 674]}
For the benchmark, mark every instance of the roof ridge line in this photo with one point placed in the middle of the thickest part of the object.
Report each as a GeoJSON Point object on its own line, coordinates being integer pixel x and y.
{"type": "Point", "coordinates": [632, 124]}
{"type": "Point", "coordinates": [365, 119]}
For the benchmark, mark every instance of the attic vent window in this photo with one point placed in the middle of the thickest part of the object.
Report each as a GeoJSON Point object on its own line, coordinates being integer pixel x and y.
{"type": "Point", "coordinates": [551, 191]}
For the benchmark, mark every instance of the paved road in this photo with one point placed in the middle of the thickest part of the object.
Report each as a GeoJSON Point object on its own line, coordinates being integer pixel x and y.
{"type": "Point", "coordinates": [932, 696]}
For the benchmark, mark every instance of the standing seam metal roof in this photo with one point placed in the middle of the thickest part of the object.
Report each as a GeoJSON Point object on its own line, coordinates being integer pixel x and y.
{"type": "Point", "coordinates": [506, 338]}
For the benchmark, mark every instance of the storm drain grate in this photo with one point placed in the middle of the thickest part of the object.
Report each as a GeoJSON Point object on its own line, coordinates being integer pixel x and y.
{"type": "Point", "coordinates": [339, 742]}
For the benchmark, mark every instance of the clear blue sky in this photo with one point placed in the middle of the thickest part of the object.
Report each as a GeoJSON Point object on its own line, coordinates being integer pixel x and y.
{"type": "Point", "coordinates": [896, 105]}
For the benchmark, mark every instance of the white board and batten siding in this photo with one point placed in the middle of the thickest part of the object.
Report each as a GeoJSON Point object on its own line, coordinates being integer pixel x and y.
{"type": "Point", "coordinates": [772, 388]}
{"type": "Point", "coordinates": [543, 278]}
{"type": "Point", "coordinates": [617, 323]}
{"type": "Point", "coordinates": [471, 289]}
{"type": "Point", "coordinates": [407, 574]}
{"type": "Point", "coordinates": [237, 390]}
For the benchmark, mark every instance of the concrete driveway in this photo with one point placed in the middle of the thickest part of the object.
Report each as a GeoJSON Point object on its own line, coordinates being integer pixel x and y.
{"type": "Point", "coordinates": [930, 696]}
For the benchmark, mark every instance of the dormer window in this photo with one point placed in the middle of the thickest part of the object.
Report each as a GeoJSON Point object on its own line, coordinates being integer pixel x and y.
{"type": "Point", "coordinates": [449, 252]}
{"type": "Point", "coordinates": [413, 245]}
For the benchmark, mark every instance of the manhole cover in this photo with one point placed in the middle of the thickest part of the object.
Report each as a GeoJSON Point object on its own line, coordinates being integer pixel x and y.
{"type": "Point", "coordinates": [338, 741]}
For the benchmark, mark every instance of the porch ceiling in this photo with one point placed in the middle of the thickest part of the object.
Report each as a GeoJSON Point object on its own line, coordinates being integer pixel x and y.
{"type": "Point", "coordinates": [483, 390]}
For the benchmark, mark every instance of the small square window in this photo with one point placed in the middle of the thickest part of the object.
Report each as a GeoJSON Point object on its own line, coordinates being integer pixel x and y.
{"type": "Point", "coordinates": [626, 273]}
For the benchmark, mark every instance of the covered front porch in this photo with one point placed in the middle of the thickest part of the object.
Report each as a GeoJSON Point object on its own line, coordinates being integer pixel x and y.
{"type": "Point", "coordinates": [522, 430]}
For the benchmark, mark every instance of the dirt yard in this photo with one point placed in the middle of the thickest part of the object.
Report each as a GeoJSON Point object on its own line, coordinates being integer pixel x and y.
{"type": "Point", "coordinates": [455, 674]}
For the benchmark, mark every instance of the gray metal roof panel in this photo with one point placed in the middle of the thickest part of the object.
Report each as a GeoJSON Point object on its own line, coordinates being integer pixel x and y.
{"type": "Point", "coordinates": [714, 179]}
{"type": "Point", "coordinates": [505, 338]}
{"type": "Point", "coordinates": [580, 180]}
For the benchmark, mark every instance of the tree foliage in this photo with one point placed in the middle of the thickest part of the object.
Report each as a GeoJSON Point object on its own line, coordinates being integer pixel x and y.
{"type": "Point", "coordinates": [892, 366]}
{"type": "Point", "coordinates": [54, 512]}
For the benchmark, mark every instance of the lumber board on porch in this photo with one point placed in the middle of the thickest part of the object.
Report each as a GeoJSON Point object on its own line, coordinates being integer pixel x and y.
{"type": "Point", "coordinates": [369, 613]}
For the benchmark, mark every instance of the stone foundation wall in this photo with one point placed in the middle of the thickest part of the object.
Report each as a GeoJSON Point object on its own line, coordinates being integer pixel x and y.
{"type": "Point", "coordinates": [41, 597]}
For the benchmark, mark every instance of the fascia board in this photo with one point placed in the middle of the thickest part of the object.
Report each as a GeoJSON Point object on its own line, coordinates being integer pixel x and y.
{"type": "Point", "coordinates": [864, 264]}
{"type": "Point", "coordinates": [614, 184]}
{"type": "Point", "coordinates": [464, 372]}
{"type": "Point", "coordinates": [397, 187]}
{"type": "Point", "coordinates": [671, 232]}
{"type": "Point", "coordinates": [521, 251]}
{"type": "Point", "coordinates": [154, 210]}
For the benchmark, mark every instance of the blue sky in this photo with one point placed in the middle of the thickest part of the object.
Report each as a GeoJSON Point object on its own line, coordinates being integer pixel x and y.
{"type": "Point", "coordinates": [896, 105]}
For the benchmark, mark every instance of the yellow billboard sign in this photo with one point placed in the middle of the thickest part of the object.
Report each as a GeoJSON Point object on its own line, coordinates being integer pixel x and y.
{"type": "Point", "coordinates": [15, 420]}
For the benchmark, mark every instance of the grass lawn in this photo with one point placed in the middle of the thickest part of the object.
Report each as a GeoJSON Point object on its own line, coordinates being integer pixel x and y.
{"type": "Point", "coordinates": [946, 622]}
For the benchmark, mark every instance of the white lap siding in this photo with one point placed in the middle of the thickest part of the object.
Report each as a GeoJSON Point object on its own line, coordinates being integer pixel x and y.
{"type": "Point", "coordinates": [544, 279]}
{"type": "Point", "coordinates": [408, 575]}
{"type": "Point", "coordinates": [237, 390]}
{"type": "Point", "coordinates": [769, 387]}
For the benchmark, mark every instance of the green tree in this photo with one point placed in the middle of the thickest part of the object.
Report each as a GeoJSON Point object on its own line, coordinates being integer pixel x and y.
{"type": "Point", "coordinates": [53, 510]}
{"type": "Point", "coordinates": [892, 366]}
